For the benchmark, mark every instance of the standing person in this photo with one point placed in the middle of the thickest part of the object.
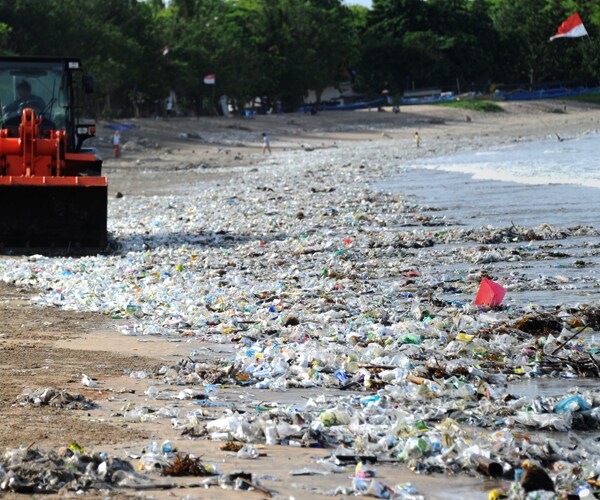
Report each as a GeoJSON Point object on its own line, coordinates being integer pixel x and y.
{"type": "Point", "coordinates": [266, 144]}
{"type": "Point", "coordinates": [116, 140]}
{"type": "Point", "coordinates": [169, 106]}
{"type": "Point", "coordinates": [417, 140]}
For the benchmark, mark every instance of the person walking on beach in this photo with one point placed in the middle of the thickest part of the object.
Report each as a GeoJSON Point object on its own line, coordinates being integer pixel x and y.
{"type": "Point", "coordinates": [116, 140]}
{"type": "Point", "coordinates": [417, 140]}
{"type": "Point", "coordinates": [266, 144]}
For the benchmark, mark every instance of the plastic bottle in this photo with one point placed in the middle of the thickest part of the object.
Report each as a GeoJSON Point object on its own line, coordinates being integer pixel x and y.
{"type": "Point", "coordinates": [270, 433]}
{"type": "Point", "coordinates": [248, 452]}
{"type": "Point", "coordinates": [334, 417]}
{"type": "Point", "coordinates": [263, 384]}
{"type": "Point", "coordinates": [219, 436]}
{"type": "Point", "coordinates": [139, 415]}
{"type": "Point", "coordinates": [153, 462]}
{"type": "Point", "coordinates": [414, 448]}
{"type": "Point", "coordinates": [152, 392]}
{"type": "Point", "coordinates": [584, 492]}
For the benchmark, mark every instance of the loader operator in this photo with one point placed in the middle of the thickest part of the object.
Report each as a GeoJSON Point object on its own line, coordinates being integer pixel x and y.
{"type": "Point", "coordinates": [25, 99]}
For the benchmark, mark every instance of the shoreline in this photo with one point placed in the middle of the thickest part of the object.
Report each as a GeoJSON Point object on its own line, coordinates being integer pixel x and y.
{"type": "Point", "coordinates": [294, 215]}
{"type": "Point", "coordinates": [526, 162]}
{"type": "Point", "coordinates": [475, 201]}
{"type": "Point", "coordinates": [468, 203]}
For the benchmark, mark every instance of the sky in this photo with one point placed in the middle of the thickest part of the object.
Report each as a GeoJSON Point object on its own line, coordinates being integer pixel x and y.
{"type": "Point", "coordinates": [366, 3]}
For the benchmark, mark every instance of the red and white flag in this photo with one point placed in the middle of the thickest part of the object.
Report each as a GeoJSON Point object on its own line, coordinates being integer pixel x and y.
{"type": "Point", "coordinates": [572, 28]}
{"type": "Point", "coordinates": [209, 79]}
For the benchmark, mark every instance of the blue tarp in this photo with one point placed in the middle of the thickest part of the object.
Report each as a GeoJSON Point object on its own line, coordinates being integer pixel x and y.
{"type": "Point", "coordinates": [525, 95]}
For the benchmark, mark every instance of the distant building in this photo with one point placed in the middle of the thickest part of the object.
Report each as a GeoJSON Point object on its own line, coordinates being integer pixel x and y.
{"type": "Point", "coordinates": [343, 93]}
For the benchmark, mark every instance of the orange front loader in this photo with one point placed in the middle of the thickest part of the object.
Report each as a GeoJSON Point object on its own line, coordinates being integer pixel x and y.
{"type": "Point", "coordinates": [51, 192]}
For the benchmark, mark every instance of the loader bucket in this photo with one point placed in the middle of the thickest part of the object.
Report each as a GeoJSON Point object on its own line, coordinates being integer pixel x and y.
{"type": "Point", "coordinates": [59, 218]}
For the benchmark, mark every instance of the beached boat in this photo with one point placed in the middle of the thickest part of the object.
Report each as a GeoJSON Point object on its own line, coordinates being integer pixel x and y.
{"type": "Point", "coordinates": [430, 99]}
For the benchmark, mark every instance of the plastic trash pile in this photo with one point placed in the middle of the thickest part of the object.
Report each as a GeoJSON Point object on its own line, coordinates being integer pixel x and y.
{"type": "Point", "coordinates": [321, 282]}
{"type": "Point", "coordinates": [50, 396]}
{"type": "Point", "coordinates": [27, 470]}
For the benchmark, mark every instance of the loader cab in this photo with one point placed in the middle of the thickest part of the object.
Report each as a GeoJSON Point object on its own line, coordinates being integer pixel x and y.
{"type": "Point", "coordinates": [52, 192]}
{"type": "Point", "coordinates": [53, 87]}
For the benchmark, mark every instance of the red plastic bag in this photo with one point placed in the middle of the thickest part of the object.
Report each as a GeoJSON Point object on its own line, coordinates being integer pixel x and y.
{"type": "Point", "coordinates": [490, 293]}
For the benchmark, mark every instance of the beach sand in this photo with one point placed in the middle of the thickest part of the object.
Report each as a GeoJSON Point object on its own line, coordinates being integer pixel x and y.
{"type": "Point", "coordinates": [52, 347]}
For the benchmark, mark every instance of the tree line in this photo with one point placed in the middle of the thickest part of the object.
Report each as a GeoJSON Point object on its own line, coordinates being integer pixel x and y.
{"type": "Point", "coordinates": [278, 50]}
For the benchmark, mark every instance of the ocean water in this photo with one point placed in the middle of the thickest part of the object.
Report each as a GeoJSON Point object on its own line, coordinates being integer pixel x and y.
{"type": "Point", "coordinates": [526, 185]}
{"type": "Point", "coordinates": [572, 160]}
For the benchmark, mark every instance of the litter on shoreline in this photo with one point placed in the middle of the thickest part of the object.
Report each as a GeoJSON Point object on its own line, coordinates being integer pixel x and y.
{"type": "Point", "coordinates": [319, 281]}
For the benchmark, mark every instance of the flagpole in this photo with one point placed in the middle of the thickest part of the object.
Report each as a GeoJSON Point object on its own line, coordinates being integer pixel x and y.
{"type": "Point", "coordinates": [213, 98]}
{"type": "Point", "coordinates": [212, 80]}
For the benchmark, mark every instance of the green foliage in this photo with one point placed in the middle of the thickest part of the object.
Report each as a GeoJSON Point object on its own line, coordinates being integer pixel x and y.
{"type": "Point", "coordinates": [5, 31]}
{"type": "Point", "coordinates": [278, 50]}
{"type": "Point", "coordinates": [483, 106]}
